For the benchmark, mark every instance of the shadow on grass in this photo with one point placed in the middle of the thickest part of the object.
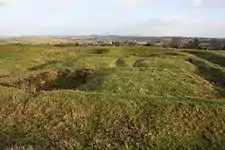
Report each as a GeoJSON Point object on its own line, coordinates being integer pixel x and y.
{"type": "Point", "coordinates": [100, 50]}
{"type": "Point", "coordinates": [15, 140]}
{"type": "Point", "coordinates": [167, 54]}
{"type": "Point", "coordinates": [210, 73]}
{"type": "Point", "coordinates": [174, 54]}
{"type": "Point", "coordinates": [83, 79]}
{"type": "Point", "coordinates": [210, 56]}
{"type": "Point", "coordinates": [95, 83]}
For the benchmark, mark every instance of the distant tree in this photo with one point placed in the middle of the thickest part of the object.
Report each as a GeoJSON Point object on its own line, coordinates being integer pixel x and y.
{"type": "Point", "coordinates": [216, 44]}
{"type": "Point", "coordinates": [149, 44]}
{"type": "Point", "coordinates": [175, 42]}
{"type": "Point", "coordinates": [193, 44]}
{"type": "Point", "coordinates": [223, 44]}
{"type": "Point", "coordinates": [76, 44]}
{"type": "Point", "coordinates": [196, 43]}
{"type": "Point", "coordinates": [188, 45]}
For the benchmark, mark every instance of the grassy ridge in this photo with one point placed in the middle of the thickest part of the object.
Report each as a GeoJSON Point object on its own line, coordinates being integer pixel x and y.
{"type": "Point", "coordinates": [137, 98]}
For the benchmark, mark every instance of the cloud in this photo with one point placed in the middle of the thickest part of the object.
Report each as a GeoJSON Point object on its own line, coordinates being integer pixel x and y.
{"type": "Point", "coordinates": [166, 26]}
{"type": "Point", "coordinates": [58, 4]}
{"type": "Point", "coordinates": [7, 2]}
{"type": "Point", "coordinates": [64, 3]}
{"type": "Point", "coordinates": [77, 17]}
{"type": "Point", "coordinates": [197, 3]}
{"type": "Point", "coordinates": [208, 3]}
{"type": "Point", "coordinates": [174, 26]}
{"type": "Point", "coordinates": [130, 2]}
{"type": "Point", "coordinates": [140, 2]}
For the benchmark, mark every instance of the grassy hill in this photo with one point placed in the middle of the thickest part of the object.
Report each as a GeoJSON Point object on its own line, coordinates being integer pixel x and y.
{"type": "Point", "coordinates": [111, 98]}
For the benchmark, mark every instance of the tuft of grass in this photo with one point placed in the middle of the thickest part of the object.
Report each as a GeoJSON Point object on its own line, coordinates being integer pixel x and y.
{"type": "Point", "coordinates": [121, 63]}
{"type": "Point", "coordinates": [141, 63]}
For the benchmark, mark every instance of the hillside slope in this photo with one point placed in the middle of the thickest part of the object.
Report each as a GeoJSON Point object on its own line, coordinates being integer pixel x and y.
{"type": "Point", "coordinates": [111, 98]}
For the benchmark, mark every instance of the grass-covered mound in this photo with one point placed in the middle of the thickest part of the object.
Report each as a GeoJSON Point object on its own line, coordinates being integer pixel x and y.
{"type": "Point", "coordinates": [110, 98]}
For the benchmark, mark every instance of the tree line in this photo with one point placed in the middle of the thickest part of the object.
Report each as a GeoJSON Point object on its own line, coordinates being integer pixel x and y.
{"type": "Point", "coordinates": [210, 44]}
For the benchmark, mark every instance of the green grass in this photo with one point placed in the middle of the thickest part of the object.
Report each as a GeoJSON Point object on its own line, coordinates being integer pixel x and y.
{"type": "Point", "coordinates": [174, 100]}
{"type": "Point", "coordinates": [210, 56]}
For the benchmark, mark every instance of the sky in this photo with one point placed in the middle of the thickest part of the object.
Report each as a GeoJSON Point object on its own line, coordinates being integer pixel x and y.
{"type": "Point", "coordinates": [197, 18]}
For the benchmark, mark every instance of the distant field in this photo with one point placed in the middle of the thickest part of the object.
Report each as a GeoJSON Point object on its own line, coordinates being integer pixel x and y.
{"type": "Point", "coordinates": [111, 98]}
{"type": "Point", "coordinates": [35, 40]}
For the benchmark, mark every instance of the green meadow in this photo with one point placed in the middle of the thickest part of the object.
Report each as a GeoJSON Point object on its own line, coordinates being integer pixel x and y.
{"type": "Point", "coordinates": [111, 98]}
